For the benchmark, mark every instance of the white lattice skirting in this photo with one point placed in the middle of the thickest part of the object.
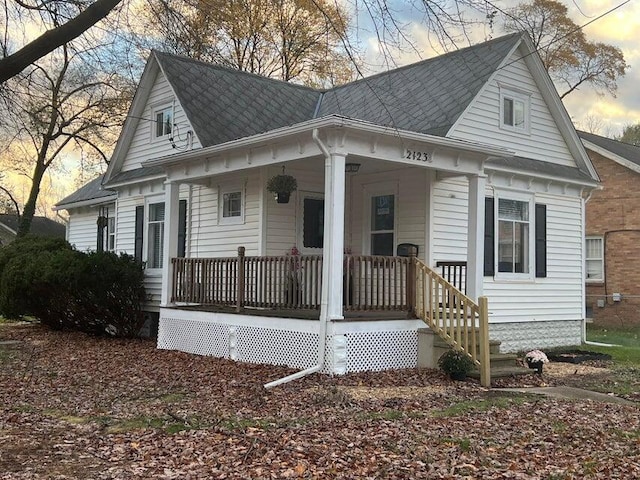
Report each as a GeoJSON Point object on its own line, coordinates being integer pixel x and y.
{"type": "Point", "coordinates": [350, 347]}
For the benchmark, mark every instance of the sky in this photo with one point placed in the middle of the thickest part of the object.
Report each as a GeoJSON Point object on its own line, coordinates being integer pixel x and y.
{"type": "Point", "coordinates": [588, 110]}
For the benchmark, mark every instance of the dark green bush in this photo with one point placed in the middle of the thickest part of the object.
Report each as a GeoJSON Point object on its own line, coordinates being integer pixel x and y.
{"type": "Point", "coordinates": [98, 293]}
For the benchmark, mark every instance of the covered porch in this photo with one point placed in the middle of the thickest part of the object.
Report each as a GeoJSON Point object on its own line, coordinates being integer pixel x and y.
{"type": "Point", "coordinates": [357, 285]}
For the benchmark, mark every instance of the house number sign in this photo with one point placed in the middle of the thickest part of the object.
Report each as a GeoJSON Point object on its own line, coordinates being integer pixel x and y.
{"type": "Point", "coordinates": [416, 155]}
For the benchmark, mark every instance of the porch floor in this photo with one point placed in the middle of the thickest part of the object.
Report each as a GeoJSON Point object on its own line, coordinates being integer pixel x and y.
{"type": "Point", "coordinates": [300, 314]}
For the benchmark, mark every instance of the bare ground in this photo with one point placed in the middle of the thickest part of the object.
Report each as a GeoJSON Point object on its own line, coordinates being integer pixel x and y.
{"type": "Point", "coordinates": [73, 406]}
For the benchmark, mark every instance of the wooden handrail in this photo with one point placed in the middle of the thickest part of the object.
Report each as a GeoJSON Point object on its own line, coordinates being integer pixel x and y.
{"type": "Point", "coordinates": [456, 318]}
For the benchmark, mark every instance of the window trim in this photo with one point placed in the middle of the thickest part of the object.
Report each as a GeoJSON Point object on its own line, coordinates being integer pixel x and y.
{"type": "Point", "coordinates": [516, 95]}
{"type": "Point", "coordinates": [231, 188]}
{"type": "Point", "coordinates": [520, 197]}
{"type": "Point", "coordinates": [601, 259]}
{"type": "Point", "coordinates": [154, 112]}
{"type": "Point", "coordinates": [302, 194]}
{"type": "Point", "coordinates": [154, 200]}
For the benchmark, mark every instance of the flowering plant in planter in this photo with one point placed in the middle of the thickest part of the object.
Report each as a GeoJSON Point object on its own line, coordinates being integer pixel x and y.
{"type": "Point", "coordinates": [536, 356]}
{"type": "Point", "coordinates": [282, 186]}
{"type": "Point", "coordinates": [536, 359]}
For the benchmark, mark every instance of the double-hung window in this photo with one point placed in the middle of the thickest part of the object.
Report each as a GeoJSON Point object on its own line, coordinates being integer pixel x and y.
{"type": "Point", "coordinates": [515, 237]}
{"type": "Point", "coordinates": [111, 234]}
{"type": "Point", "coordinates": [514, 228]}
{"type": "Point", "coordinates": [594, 259]}
{"type": "Point", "coordinates": [163, 121]}
{"type": "Point", "coordinates": [514, 110]}
{"type": "Point", "coordinates": [155, 239]}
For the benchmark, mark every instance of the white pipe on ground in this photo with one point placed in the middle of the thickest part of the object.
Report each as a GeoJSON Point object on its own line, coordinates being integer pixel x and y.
{"type": "Point", "coordinates": [324, 303]}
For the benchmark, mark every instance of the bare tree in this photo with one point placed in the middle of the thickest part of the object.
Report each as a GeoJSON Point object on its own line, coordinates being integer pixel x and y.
{"type": "Point", "coordinates": [55, 109]}
{"type": "Point", "coordinates": [571, 60]}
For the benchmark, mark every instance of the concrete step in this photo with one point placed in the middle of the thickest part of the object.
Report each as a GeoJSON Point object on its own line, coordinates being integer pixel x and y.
{"type": "Point", "coordinates": [499, 360]}
{"type": "Point", "coordinates": [503, 372]}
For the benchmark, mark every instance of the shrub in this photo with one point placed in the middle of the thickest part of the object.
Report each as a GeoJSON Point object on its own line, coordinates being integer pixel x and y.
{"type": "Point", "coordinates": [96, 293]}
{"type": "Point", "coordinates": [455, 363]}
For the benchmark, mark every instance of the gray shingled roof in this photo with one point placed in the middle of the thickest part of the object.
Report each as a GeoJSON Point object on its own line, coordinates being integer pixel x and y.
{"type": "Point", "coordinates": [539, 167]}
{"type": "Point", "coordinates": [39, 226]}
{"type": "Point", "coordinates": [90, 191]}
{"type": "Point", "coordinates": [624, 150]}
{"type": "Point", "coordinates": [426, 97]}
{"type": "Point", "coordinates": [224, 104]}
{"type": "Point", "coordinates": [136, 174]}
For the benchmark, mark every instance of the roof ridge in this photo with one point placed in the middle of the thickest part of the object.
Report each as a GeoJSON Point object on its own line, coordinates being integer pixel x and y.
{"type": "Point", "coordinates": [503, 38]}
{"type": "Point", "coordinates": [229, 69]}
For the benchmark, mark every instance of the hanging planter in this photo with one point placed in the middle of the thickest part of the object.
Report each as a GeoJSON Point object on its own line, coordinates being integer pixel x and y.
{"type": "Point", "coordinates": [282, 186]}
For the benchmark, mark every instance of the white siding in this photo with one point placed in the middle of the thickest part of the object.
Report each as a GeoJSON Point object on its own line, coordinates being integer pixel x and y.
{"type": "Point", "coordinates": [143, 146]}
{"type": "Point", "coordinates": [82, 231]}
{"type": "Point", "coordinates": [556, 297]}
{"type": "Point", "coordinates": [207, 237]}
{"type": "Point", "coordinates": [481, 122]}
{"type": "Point", "coordinates": [559, 295]}
{"type": "Point", "coordinates": [283, 220]}
{"type": "Point", "coordinates": [449, 220]}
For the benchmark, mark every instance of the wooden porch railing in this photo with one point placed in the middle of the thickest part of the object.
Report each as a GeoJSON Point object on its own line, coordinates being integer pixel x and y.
{"type": "Point", "coordinates": [293, 282]}
{"type": "Point", "coordinates": [456, 318]}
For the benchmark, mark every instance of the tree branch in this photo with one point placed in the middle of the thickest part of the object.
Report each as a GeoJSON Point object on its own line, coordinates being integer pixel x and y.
{"type": "Point", "coordinates": [52, 39]}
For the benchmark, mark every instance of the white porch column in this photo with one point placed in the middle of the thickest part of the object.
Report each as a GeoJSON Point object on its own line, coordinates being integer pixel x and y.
{"type": "Point", "coordinates": [171, 209]}
{"type": "Point", "coordinates": [475, 236]}
{"type": "Point", "coordinates": [333, 247]}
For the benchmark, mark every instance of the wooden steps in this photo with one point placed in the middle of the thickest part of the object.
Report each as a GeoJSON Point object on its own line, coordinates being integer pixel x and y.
{"type": "Point", "coordinates": [502, 364]}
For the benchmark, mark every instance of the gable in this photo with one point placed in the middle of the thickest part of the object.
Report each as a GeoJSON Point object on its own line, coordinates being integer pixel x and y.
{"type": "Point", "coordinates": [144, 145]}
{"type": "Point", "coordinates": [482, 120]}
{"type": "Point", "coordinates": [424, 97]}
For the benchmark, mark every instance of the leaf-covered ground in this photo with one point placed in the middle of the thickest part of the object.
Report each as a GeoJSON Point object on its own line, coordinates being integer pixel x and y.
{"type": "Point", "coordinates": [73, 406]}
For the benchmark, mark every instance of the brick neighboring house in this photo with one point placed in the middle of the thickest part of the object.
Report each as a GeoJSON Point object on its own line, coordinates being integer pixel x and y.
{"type": "Point", "coordinates": [613, 233]}
{"type": "Point", "coordinates": [39, 226]}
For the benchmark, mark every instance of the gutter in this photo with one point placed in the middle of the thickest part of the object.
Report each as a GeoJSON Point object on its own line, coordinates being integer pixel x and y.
{"type": "Point", "coordinates": [324, 304]}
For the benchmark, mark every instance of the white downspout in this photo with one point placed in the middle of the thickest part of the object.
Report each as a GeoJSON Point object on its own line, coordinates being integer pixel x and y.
{"type": "Point", "coordinates": [324, 302]}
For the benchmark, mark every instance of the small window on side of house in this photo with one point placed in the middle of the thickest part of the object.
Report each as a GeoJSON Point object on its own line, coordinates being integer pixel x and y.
{"type": "Point", "coordinates": [594, 259]}
{"type": "Point", "coordinates": [231, 205]}
{"type": "Point", "coordinates": [163, 121]}
{"type": "Point", "coordinates": [111, 234]}
{"type": "Point", "coordinates": [514, 111]}
{"type": "Point", "coordinates": [155, 242]}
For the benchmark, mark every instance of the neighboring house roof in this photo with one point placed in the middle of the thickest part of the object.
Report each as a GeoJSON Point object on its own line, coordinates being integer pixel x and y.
{"type": "Point", "coordinates": [623, 153]}
{"type": "Point", "coordinates": [89, 194]}
{"type": "Point", "coordinates": [39, 226]}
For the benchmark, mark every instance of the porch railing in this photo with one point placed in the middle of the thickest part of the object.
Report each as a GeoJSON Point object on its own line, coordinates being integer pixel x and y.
{"type": "Point", "coordinates": [456, 318]}
{"type": "Point", "coordinates": [293, 282]}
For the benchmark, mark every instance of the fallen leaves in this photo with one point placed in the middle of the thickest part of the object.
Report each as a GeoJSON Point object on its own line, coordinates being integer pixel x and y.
{"type": "Point", "coordinates": [72, 406]}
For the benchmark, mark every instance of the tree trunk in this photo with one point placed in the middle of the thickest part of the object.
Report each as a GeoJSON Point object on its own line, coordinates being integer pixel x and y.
{"type": "Point", "coordinates": [24, 226]}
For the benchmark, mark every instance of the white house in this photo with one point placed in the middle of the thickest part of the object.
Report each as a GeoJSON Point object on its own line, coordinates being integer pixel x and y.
{"type": "Point", "coordinates": [470, 157]}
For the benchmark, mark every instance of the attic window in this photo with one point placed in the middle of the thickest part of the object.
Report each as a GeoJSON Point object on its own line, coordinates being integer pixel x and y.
{"type": "Point", "coordinates": [514, 110]}
{"type": "Point", "coordinates": [163, 121]}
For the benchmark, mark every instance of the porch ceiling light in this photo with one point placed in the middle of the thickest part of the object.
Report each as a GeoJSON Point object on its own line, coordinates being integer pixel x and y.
{"type": "Point", "coordinates": [351, 167]}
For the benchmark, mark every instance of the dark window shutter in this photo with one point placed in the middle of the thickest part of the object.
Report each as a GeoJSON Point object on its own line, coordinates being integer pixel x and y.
{"type": "Point", "coordinates": [100, 239]}
{"type": "Point", "coordinates": [139, 232]}
{"type": "Point", "coordinates": [489, 238]}
{"type": "Point", "coordinates": [541, 240]}
{"type": "Point", "coordinates": [182, 228]}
